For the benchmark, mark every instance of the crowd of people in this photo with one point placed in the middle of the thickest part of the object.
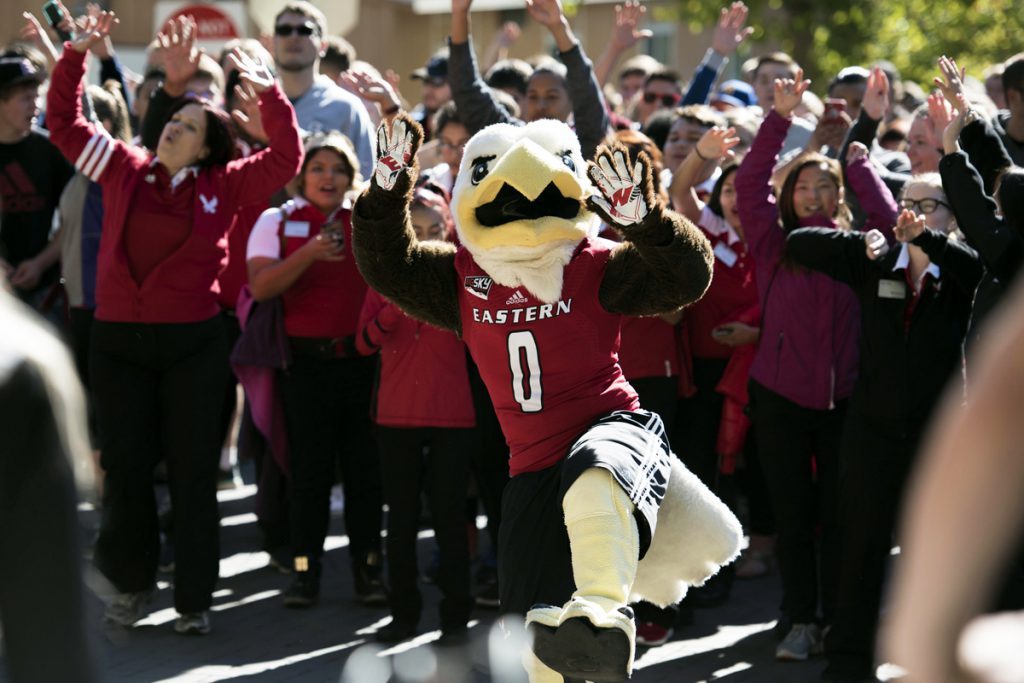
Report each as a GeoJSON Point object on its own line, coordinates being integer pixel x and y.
{"type": "Point", "coordinates": [191, 230]}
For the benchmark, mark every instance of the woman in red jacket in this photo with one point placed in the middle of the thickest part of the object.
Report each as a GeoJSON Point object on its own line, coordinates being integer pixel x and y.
{"type": "Point", "coordinates": [302, 252]}
{"type": "Point", "coordinates": [424, 405]}
{"type": "Point", "coordinates": [158, 347]}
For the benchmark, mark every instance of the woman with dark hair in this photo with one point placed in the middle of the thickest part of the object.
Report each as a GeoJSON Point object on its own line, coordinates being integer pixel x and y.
{"type": "Point", "coordinates": [302, 252]}
{"type": "Point", "coordinates": [805, 364]}
{"type": "Point", "coordinates": [158, 345]}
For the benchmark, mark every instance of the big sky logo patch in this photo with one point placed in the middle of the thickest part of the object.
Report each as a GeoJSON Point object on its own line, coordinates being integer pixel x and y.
{"type": "Point", "coordinates": [479, 286]}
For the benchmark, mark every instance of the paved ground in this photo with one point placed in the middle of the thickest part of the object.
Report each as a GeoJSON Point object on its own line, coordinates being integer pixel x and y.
{"type": "Point", "coordinates": [256, 640]}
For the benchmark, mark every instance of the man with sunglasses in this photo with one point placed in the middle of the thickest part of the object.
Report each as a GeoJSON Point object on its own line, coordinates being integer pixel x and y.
{"type": "Point", "coordinates": [320, 105]}
{"type": "Point", "coordinates": [661, 91]}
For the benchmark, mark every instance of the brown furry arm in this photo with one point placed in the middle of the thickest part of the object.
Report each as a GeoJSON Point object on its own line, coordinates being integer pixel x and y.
{"type": "Point", "coordinates": [418, 276]}
{"type": "Point", "coordinates": [665, 261]}
{"type": "Point", "coordinates": [664, 265]}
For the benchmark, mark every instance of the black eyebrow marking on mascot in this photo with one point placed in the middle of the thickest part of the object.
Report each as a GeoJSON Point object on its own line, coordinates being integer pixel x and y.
{"type": "Point", "coordinates": [611, 516]}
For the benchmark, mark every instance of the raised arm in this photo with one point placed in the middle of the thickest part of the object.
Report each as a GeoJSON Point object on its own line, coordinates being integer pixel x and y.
{"type": "Point", "coordinates": [625, 34]}
{"type": "Point", "coordinates": [983, 146]}
{"type": "Point", "coordinates": [92, 151]}
{"type": "Point", "coordinates": [729, 35]}
{"type": "Point", "coordinates": [1000, 246]}
{"type": "Point", "coordinates": [715, 144]}
{"type": "Point", "coordinates": [664, 262]}
{"type": "Point", "coordinates": [589, 111]}
{"type": "Point", "coordinates": [260, 175]}
{"type": "Point", "coordinates": [755, 195]}
{"type": "Point", "coordinates": [419, 277]}
{"type": "Point", "coordinates": [872, 193]}
{"type": "Point", "coordinates": [477, 107]}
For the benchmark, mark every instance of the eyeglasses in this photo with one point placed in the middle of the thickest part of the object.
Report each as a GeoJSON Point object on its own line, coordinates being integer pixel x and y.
{"type": "Point", "coordinates": [926, 206]}
{"type": "Point", "coordinates": [285, 30]}
{"type": "Point", "coordinates": [667, 100]}
{"type": "Point", "coordinates": [451, 145]}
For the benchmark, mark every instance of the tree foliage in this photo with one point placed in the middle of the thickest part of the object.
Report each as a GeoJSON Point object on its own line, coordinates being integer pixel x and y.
{"type": "Point", "coordinates": [912, 34]}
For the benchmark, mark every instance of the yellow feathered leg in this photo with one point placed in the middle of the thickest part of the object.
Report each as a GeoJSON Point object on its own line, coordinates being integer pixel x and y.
{"type": "Point", "coordinates": [593, 635]}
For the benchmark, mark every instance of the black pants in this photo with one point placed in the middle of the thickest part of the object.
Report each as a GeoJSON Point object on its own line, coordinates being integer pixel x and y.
{"type": "Point", "coordinates": [698, 419]}
{"type": "Point", "coordinates": [327, 415]}
{"type": "Point", "coordinates": [230, 401]}
{"type": "Point", "coordinates": [490, 454]}
{"type": "Point", "coordinates": [444, 473]}
{"type": "Point", "coordinates": [793, 442]}
{"type": "Point", "coordinates": [158, 390]}
{"type": "Point", "coordinates": [874, 465]}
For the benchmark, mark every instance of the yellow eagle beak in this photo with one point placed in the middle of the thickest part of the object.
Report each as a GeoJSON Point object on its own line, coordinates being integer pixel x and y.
{"type": "Point", "coordinates": [529, 169]}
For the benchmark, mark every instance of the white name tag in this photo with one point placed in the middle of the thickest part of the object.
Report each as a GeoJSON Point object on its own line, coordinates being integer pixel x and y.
{"type": "Point", "coordinates": [725, 254]}
{"type": "Point", "coordinates": [296, 229]}
{"type": "Point", "coordinates": [892, 289]}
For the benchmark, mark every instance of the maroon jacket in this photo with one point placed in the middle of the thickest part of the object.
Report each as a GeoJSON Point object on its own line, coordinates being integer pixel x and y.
{"type": "Point", "coordinates": [183, 287]}
{"type": "Point", "coordinates": [810, 323]}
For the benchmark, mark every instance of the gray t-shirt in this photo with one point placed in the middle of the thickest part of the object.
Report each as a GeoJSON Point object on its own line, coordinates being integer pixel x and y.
{"type": "Point", "coordinates": [326, 106]}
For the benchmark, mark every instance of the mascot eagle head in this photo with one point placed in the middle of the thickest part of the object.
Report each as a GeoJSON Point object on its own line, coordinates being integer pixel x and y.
{"type": "Point", "coordinates": [520, 203]}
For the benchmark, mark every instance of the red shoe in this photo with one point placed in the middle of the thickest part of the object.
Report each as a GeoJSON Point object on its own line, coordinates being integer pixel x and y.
{"type": "Point", "coordinates": [651, 635]}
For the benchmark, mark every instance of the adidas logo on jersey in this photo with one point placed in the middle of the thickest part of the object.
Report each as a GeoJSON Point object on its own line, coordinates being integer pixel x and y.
{"type": "Point", "coordinates": [516, 299]}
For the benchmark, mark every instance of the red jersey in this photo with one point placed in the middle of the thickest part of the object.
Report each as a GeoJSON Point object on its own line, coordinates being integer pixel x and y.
{"type": "Point", "coordinates": [551, 369]}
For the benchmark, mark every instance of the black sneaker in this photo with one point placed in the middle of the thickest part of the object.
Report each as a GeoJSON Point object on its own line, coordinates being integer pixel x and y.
{"type": "Point", "coordinates": [369, 583]}
{"type": "Point", "coordinates": [453, 637]}
{"type": "Point", "coordinates": [395, 632]}
{"type": "Point", "coordinates": [304, 591]}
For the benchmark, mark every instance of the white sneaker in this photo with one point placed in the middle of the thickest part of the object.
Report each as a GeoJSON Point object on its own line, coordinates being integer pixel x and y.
{"type": "Point", "coordinates": [125, 609]}
{"type": "Point", "coordinates": [802, 641]}
{"type": "Point", "coordinates": [194, 623]}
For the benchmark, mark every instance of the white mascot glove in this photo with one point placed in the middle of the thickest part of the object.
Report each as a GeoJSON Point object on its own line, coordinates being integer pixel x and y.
{"type": "Point", "coordinates": [622, 196]}
{"type": "Point", "coordinates": [394, 152]}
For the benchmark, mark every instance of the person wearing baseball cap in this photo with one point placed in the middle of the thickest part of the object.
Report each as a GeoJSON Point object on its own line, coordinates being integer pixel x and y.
{"type": "Point", "coordinates": [436, 91]}
{"type": "Point", "coordinates": [32, 176]}
{"type": "Point", "coordinates": [732, 94]}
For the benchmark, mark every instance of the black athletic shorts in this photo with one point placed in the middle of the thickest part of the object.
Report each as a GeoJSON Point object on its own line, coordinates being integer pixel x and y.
{"type": "Point", "coordinates": [534, 562]}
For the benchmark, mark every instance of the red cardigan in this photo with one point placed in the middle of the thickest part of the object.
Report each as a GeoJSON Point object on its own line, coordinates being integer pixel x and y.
{"type": "Point", "coordinates": [183, 287]}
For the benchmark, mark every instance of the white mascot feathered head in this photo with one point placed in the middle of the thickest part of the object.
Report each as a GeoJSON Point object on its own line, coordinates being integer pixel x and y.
{"type": "Point", "coordinates": [519, 203]}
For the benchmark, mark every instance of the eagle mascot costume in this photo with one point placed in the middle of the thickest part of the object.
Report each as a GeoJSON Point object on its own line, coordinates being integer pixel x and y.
{"type": "Point", "coordinates": [598, 512]}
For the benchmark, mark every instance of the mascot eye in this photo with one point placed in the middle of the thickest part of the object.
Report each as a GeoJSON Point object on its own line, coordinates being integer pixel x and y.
{"type": "Point", "coordinates": [479, 171]}
{"type": "Point", "coordinates": [567, 160]}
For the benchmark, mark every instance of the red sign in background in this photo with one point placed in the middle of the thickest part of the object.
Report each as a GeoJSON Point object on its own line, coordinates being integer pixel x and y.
{"type": "Point", "coordinates": [212, 24]}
